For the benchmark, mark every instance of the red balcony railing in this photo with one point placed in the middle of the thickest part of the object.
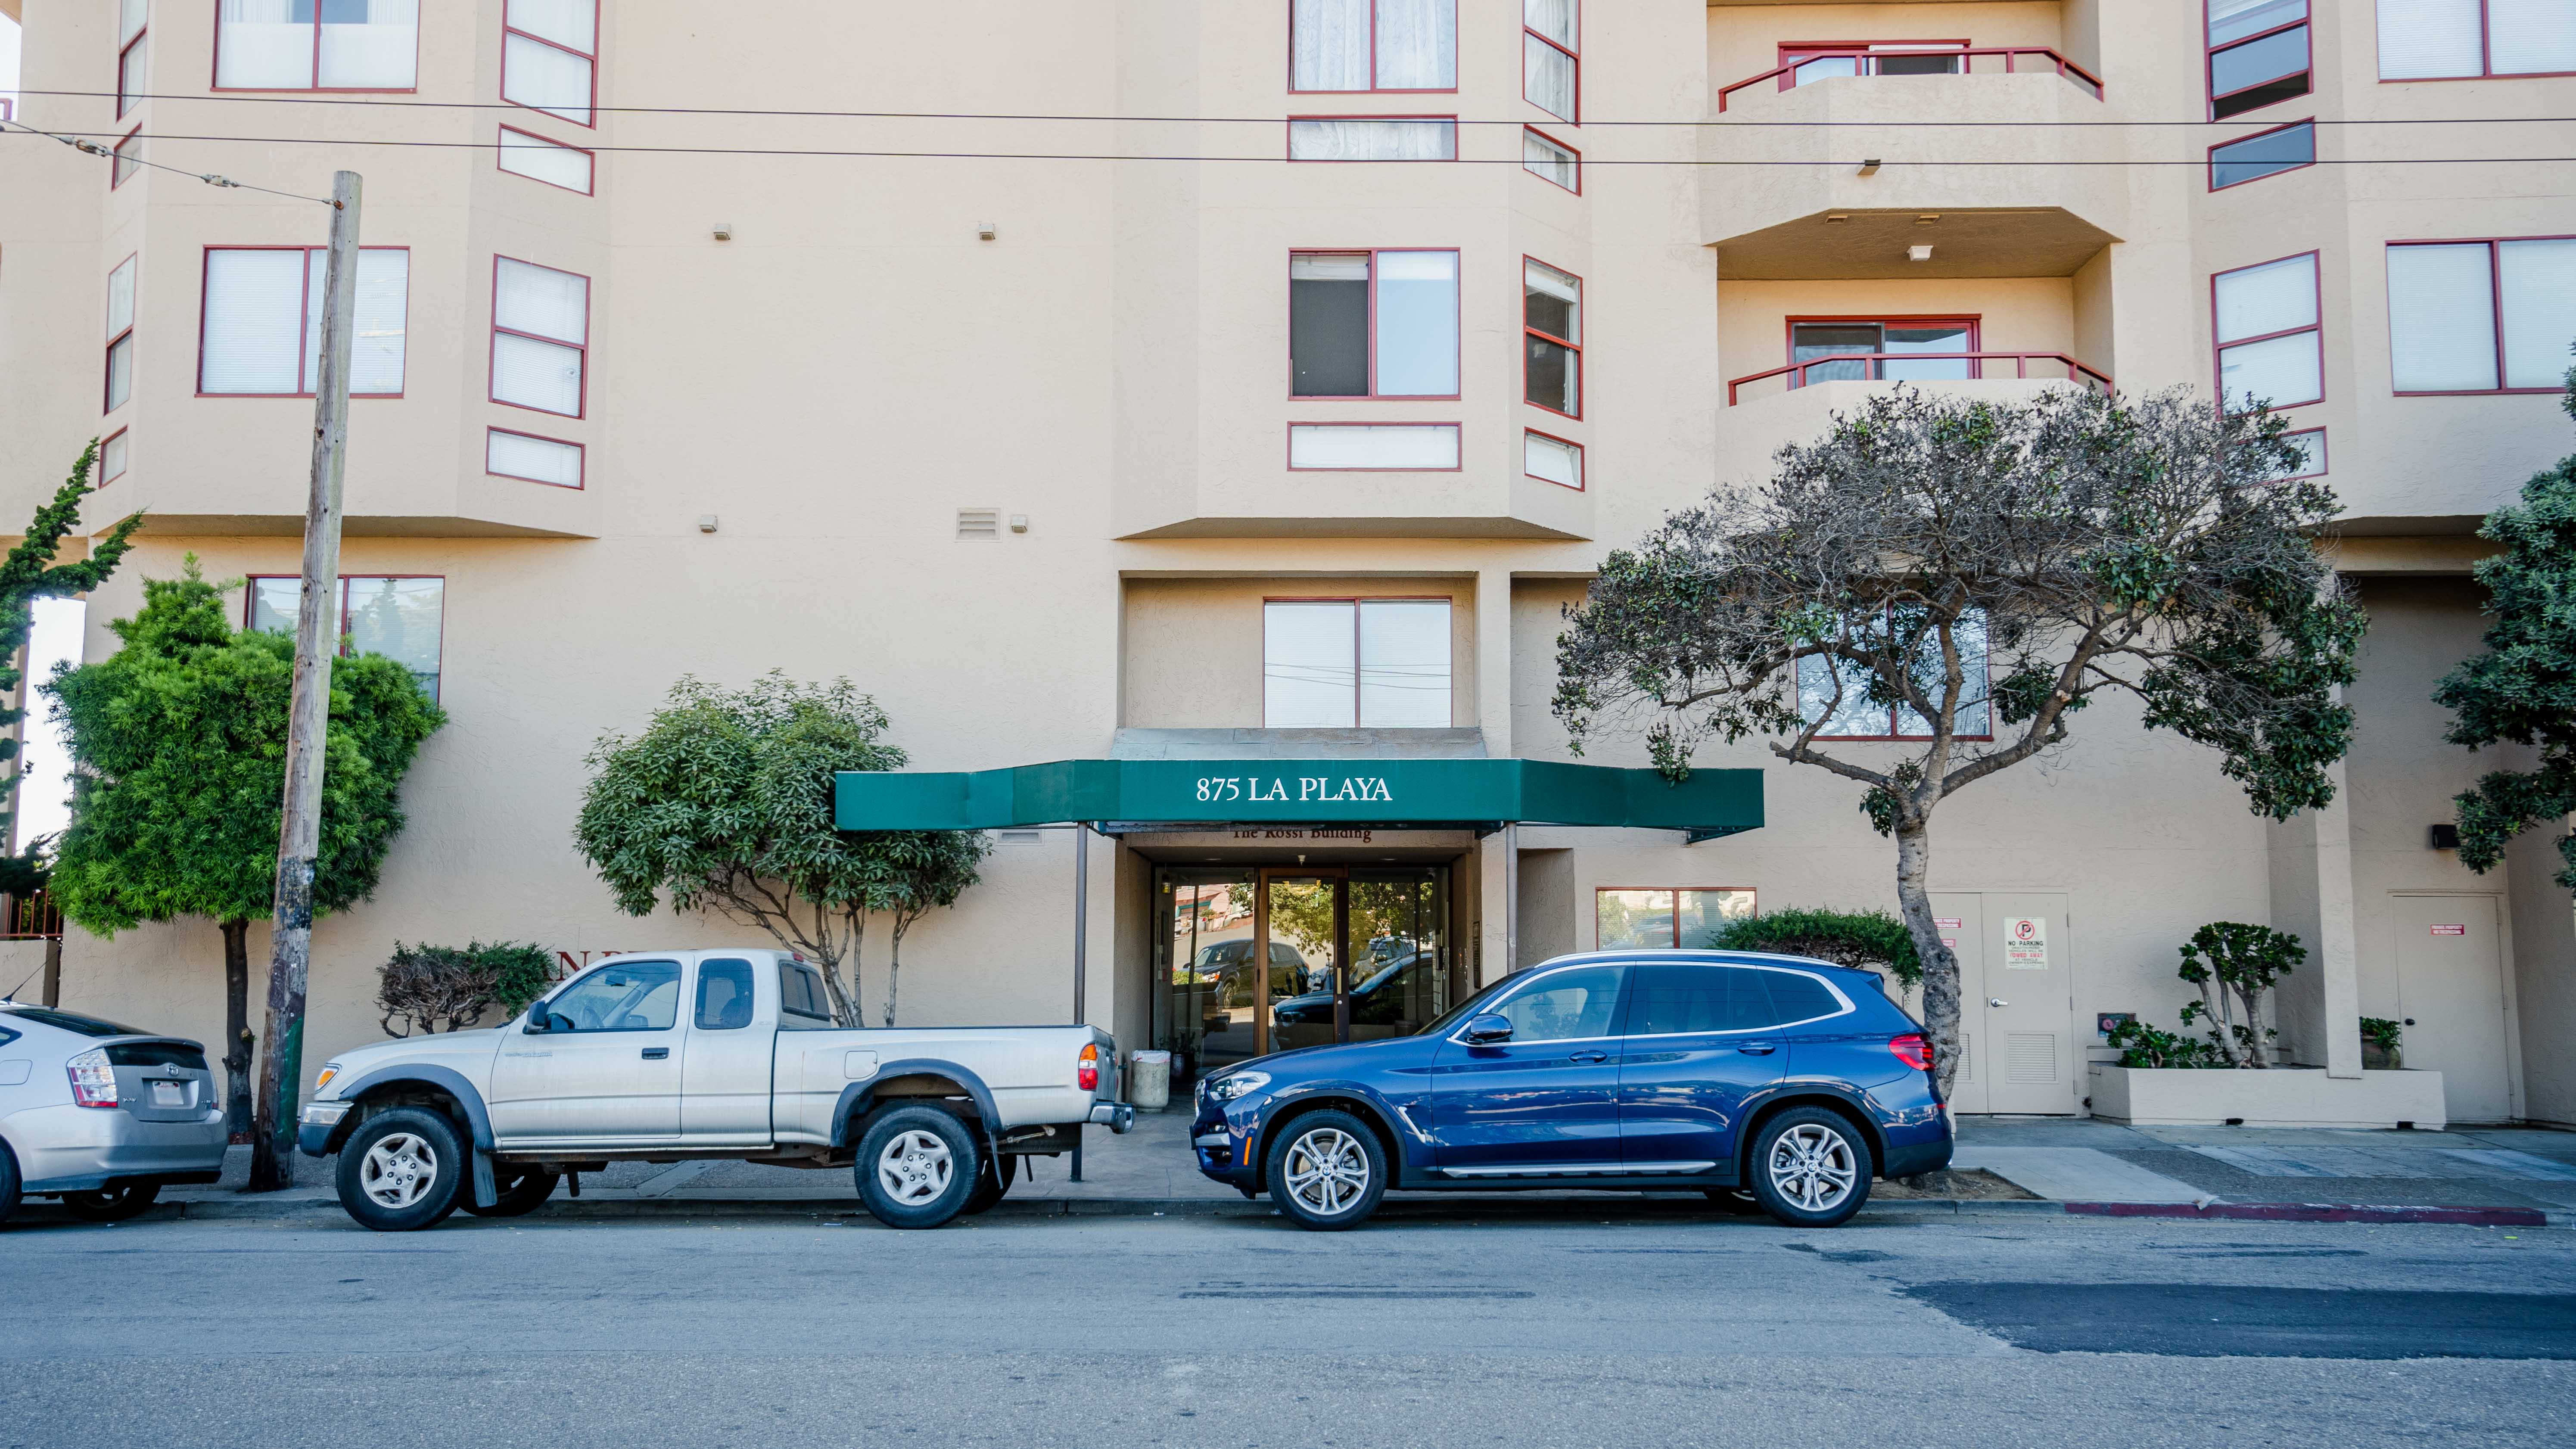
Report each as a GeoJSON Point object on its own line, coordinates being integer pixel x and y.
{"type": "Point", "coordinates": [2015, 58]}
{"type": "Point", "coordinates": [1873, 367]}
{"type": "Point", "coordinates": [29, 917]}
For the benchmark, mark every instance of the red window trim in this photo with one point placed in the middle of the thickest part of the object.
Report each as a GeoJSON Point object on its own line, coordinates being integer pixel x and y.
{"type": "Point", "coordinates": [1289, 437]}
{"type": "Point", "coordinates": [122, 51]}
{"type": "Point", "coordinates": [2211, 175]}
{"type": "Point", "coordinates": [107, 355]}
{"type": "Point", "coordinates": [2324, 465]}
{"type": "Point", "coordinates": [591, 55]}
{"type": "Point", "coordinates": [491, 356]}
{"type": "Point", "coordinates": [2495, 299]}
{"type": "Point", "coordinates": [2317, 274]}
{"type": "Point", "coordinates": [105, 478]}
{"type": "Point", "coordinates": [1457, 321]}
{"type": "Point", "coordinates": [1289, 134]}
{"type": "Point", "coordinates": [581, 460]}
{"type": "Point", "coordinates": [1675, 893]}
{"type": "Point", "coordinates": [116, 158]}
{"type": "Point", "coordinates": [498, 151]}
{"type": "Point", "coordinates": [1894, 710]}
{"type": "Point", "coordinates": [1355, 600]}
{"type": "Point", "coordinates": [1582, 466]}
{"type": "Point", "coordinates": [215, 66]}
{"type": "Point", "coordinates": [1575, 55]}
{"type": "Point", "coordinates": [2486, 62]}
{"type": "Point", "coordinates": [2209, 60]}
{"type": "Point", "coordinates": [1793, 53]}
{"type": "Point", "coordinates": [1577, 187]}
{"type": "Point", "coordinates": [1374, 89]}
{"type": "Point", "coordinates": [303, 315]}
{"type": "Point", "coordinates": [1976, 322]}
{"type": "Point", "coordinates": [250, 599]}
{"type": "Point", "coordinates": [1527, 331]}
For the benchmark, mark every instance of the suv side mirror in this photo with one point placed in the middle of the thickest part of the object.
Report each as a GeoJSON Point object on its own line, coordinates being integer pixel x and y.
{"type": "Point", "coordinates": [1488, 1029]}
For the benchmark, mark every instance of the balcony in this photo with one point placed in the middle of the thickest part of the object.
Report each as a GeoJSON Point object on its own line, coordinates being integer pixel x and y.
{"type": "Point", "coordinates": [1891, 60]}
{"type": "Point", "coordinates": [1749, 434]}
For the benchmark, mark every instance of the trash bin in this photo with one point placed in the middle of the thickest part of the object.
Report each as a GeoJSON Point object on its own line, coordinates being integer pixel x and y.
{"type": "Point", "coordinates": [1149, 1080]}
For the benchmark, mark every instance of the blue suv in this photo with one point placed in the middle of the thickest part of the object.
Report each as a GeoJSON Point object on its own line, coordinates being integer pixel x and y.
{"type": "Point", "coordinates": [1759, 1080]}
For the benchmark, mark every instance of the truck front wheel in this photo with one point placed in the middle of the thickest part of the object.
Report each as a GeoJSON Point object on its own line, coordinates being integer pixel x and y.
{"type": "Point", "coordinates": [402, 1170]}
{"type": "Point", "coordinates": [917, 1166]}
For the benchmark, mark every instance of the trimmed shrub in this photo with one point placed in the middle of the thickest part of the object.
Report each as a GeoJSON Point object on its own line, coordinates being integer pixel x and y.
{"type": "Point", "coordinates": [1863, 940]}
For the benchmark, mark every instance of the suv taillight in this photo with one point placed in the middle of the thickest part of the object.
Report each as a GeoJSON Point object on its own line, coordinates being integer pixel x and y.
{"type": "Point", "coordinates": [1086, 1072]}
{"type": "Point", "coordinates": [1912, 1050]}
{"type": "Point", "coordinates": [93, 1080]}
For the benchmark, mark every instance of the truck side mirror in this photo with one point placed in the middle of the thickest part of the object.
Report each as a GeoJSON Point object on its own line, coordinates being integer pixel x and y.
{"type": "Point", "coordinates": [537, 1022]}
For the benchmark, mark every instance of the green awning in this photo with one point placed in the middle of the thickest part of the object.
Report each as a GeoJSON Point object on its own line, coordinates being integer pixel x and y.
{"type": "Point", "coordinates": [1382, 793]}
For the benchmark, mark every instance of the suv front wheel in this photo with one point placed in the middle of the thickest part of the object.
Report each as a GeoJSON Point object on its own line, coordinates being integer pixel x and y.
{"type": "Point", "coordinates": [1327, 1171]}
{"type": "Point", "coordinates": [1810, 1168]}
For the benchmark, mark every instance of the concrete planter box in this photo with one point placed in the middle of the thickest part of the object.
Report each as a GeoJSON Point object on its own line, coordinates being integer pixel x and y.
{"type": "Point", "coordinates": [2279, 1097]}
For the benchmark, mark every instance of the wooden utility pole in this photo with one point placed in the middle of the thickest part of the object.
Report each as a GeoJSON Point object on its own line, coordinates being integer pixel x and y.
{"type": "Point", "coordinates": [308, 721]}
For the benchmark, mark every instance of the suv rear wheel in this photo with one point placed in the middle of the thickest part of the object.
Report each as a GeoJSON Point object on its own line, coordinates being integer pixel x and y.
{"type": "Point", "coordinates": [917, 1166]}
{"type": "Point", "coordinates": [1810, 1168]}
{"type": "Point", "coordinates": [112, 1204]}
{"type": "Point", "coordinates": [402, 1170]}
{"type": "Point", "coordinates": [1327, 1171]}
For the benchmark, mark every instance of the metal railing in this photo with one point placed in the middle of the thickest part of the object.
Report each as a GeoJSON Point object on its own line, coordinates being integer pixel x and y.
{"type": "Point", "coordinates": [1872, 367]}
{"type": "Point", "coordinates": [30, 917]}
{"type": "Point", "coordinates": [2016, 59]}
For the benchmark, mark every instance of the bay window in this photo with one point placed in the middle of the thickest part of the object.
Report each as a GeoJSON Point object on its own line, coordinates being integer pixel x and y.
{"type": "Point", "coordinates": [532, 459]}
{"type": "Point", "coordinates": [112, 456]}
{"type": "Point", "coordinates": [1346, 663]}
{"type": "Point", "coordinates": [2258, 54]}
{"type": "Point", "coordinates": [1373, 324]}
{"type": "Point", "coordinates": [525, 154]}
{"type": "Point", "coordinates": [1373, 138]}
{"type": "Point", "coordinates": [1373, 45]}
{"type": "Point", "coordinates": [1373, 447]}
{"type": "Point", "coordinates": [2270, 346]}
{"type": "Point", "coordinates": [2460, 39]}
{"type": "Point", "coordinates": [317, 45]}
{"type": "Point", "coordinates": [1552, 459]}
{"type": "Point", "coordinates": [394, 615]}
{"type": "Point", "coordinates": [133, 53]}
{"type": "Point", "coordinates": [1684, 919]}
{"type": "Point", "coordinates": [262, 329]}
{"type": "Point", "coordinates": [1837, 691]}
{"type": "Point", "coordinates": [1552, 333]}
{"type": "Point", "coordinates": [125, 160]}
{"type": "Point", "coordinates": [2265, 153]}
{"type": "Point", "coordinates": [1543, 157]}
{"type": "Point", "coordinates": [2481, 316]}
{"type": "Point", "coordinates": [120, 335]}
{"type": "Point", "coordinates": [550, 57]}
{"type": "Point", "coordinates": [1551, 42]}
{"type": "Point", "coordinates": [540, 337]}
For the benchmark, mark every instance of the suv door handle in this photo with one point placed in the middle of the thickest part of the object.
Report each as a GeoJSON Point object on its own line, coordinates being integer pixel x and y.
{"type": "Point", "coordinates": [655, 1054]}
{"type": "Point", "coordinates": [1589, 1057]}
{"type": "Point", "coordinates": [1757, 1048]}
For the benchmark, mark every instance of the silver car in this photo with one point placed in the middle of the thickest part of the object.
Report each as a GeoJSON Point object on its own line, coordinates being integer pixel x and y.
{"type": "Point", "coordinates": [100, 1115]}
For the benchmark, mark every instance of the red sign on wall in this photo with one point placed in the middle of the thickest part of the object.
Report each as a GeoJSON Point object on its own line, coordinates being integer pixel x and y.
{"type": "Point", "coordinates": [2450, 930]}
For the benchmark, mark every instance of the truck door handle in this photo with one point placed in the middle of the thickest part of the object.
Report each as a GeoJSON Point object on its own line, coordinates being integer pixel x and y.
{"type": "Point", "coordinates": [1757, 1048]}
{"type": "Point", "coordinates": [655, 1054]}
{"type": "Point", "coordinates": [1589, 1057]}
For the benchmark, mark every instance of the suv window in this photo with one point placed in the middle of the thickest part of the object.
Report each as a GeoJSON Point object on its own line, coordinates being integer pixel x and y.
{"type": "Point", "coordinates": [800, 993]}
{"type": "Point", "coordinates": [1797, 996]}
{"type": "Point", "coordinates": [629, 996]}
{"type": "Point", "coordinates": [1566, 1005]}
{"type": "Point", "coordinates": [724, 995]}
{"type": "Point", "coordinates": [1669, 1000]}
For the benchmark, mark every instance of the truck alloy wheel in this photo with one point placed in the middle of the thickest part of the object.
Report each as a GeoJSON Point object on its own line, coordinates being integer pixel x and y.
{"type": "Point", "coordinates": [917, 1166]}
{"type": "Point", "coordinates": [402, 1170]}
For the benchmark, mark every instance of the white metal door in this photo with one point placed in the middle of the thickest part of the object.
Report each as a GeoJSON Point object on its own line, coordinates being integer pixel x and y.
{"type": "Point", "coordinates": [1961, 918]}
{"type": "Point", "coordinates": [2450, 990]}
{"type": "Point", "coordinates": [2032, 1058]}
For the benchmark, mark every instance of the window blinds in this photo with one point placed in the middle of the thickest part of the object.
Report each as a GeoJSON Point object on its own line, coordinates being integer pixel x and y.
{"type": "Point", "coordinates": [2441, 318]}
{"type": "Point", "coordinates": [2419, 38]}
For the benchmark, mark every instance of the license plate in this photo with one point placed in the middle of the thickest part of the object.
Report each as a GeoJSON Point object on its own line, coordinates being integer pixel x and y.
{"type": "Point", "coordinates": [169, 1094]}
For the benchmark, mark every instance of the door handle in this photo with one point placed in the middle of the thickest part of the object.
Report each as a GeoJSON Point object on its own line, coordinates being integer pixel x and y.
{"type": "Point", "coordinates": [1589, 1057]}
{"type": "Point", "coordinates": [655, 1054]}
{"type": "Point", "coordinates": [1997, 1001]}
{"type": "Point", "coordinates": [1757, 1048]}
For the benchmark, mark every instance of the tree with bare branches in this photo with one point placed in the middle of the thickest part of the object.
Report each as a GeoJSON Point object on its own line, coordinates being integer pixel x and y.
{"type": "Point", "coordinates": [1966, 577]}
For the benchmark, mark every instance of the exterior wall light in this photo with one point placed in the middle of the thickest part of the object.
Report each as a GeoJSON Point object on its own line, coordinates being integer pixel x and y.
{"type": "Point", "coordinates": [1918, 253]}
{"type": "Point", "coordinates": [1869, 167]}
{"type": "Point", "coordinates": [2445, 836]}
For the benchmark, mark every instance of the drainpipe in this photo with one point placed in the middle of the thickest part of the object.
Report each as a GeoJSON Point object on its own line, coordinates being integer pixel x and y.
{"type": "Point", "coordinates": [1511, 897]}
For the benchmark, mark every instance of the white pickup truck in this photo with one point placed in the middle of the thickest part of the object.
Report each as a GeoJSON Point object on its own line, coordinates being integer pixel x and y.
{"type": "Point", "coordinates": [665, 1056]}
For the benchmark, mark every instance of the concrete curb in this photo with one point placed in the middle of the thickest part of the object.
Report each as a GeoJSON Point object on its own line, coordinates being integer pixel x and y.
{"type": "Point", "coordinates": [2321, 1212]}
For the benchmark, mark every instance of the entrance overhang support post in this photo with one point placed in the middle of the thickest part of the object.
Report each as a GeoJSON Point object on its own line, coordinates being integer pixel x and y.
{"type": "Point", "coordinates": [1081, 945]}
{"type": "Point", "coordinates": [1511, 897]}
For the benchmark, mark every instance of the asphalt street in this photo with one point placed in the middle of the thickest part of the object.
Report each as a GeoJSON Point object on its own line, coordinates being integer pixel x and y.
{"type": "Point", "coordinates": [1575, 1329]}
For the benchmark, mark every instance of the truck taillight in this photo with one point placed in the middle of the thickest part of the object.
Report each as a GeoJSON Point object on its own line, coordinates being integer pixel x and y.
{"type": "Point", "coordinates": [1086, 1072]}
{"type": "Point", "coordinates": [93, 1080]}
{"type": "Point", "coordinates": [1912, 1050]}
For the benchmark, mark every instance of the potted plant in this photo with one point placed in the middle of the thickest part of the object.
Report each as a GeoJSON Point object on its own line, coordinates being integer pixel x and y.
{"type": "Point", "coordinates": [2381, 1050]}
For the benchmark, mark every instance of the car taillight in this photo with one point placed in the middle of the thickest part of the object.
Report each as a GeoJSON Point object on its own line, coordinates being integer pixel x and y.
{"type": "Point", "coordinates": [1086, 1073]}
{"type": "Point", "coordinates": [1912, 1050]}
{"type": "Point", "coordinates": [93, 1080]}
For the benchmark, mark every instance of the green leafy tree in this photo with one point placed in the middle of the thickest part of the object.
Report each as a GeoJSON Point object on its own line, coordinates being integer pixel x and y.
{"type": "Point", "coordinates": [2522, 691]}
{"type": "Point", "coordinates": [724, 803]}
{"type": "Point", "coordinates": [1978, 574]}
{"type": "Point", "coordinates": [1862, 940]}
{"type": "Point", "coordinates": [926, 870]}
{"type": "Point", "coordinates": [2235, 965]}
{"type": "Point", "coordinates": [178, 746]}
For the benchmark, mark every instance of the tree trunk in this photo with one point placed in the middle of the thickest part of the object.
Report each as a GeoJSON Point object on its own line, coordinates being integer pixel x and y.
{"type": "Point", "coordinates": [237, 1037]}
{"type": "Point", "coordinates": [1940, 963]}
{"type": "Point", "coordinates": [894, 961]}
{"type": "Point", "coordinates": [2258, 1053]}
{"type": "Point", "coordinates": [847, 1008]}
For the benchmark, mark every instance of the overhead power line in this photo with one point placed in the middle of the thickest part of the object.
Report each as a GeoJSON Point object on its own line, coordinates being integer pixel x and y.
{"type": "Point", "coordinates": [801, 114]}
{"type": "Point", "coordinates": [79, 143]}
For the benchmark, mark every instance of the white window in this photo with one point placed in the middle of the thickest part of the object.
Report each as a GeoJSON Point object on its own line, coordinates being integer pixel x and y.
{"type": "Point", "coordinates": [111, 457]}
{"type": "Point", "coordinates": [329, 45]}
{"type": "Point", "coordinates": [397, 616]}
{"type": "Point", "coordinates": [1373, 139]}
{"type": "Point", "coordinates": [120, 335]}
{"type": "Point", "coordinates": [1370, 663]}
{"type": "Point", "coordinates": [2430, 39]}
{"type": "Point", "coordinates": [1386, 447]}
{"type": "Point", "coordinates": [540, 337]}
{"type": "Point", "coordinates": [1373, 324]}
{"type": "Point", "coordinates": [1837, 691]}
{"type": "Point", "coordinates": [1553, 459]}
{"type": "Point", "coordinates": [2311, 443]}
{"type": "Point", "coordinates": [1543, 157]}
{"type": "Point", "coordinates": [2444, 301]}
{"type": "Point", "coordinates": [263, 321]}
{"type": "Point", "coordinates": [133, 54]}
{"type": "Point", "coordinates": [550, 56]}
{"type": "Point", "coordinates": [535, 459]}
{"type": "Point", "coordinates": [2270, 347]}
{"type": "Point", "coordinates": [539, 159]}
{"type": "Point", "coordinates": [1551, 37]}
{"type": "Point", "coordinates": [1373, 45]}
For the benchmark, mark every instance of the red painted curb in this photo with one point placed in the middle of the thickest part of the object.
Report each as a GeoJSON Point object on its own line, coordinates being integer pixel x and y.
{"type": "Point", "coordinates": [2319, 1212]}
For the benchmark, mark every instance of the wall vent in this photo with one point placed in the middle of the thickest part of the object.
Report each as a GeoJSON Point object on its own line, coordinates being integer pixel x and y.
{"type": "Point", "coordinates": [979, 523]}
{"type": "Point", "coordinates": [1018, 837]}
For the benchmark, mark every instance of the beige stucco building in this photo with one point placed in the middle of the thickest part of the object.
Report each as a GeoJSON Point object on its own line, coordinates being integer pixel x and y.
{"type": "Point", "coordinates": [1091, 380]}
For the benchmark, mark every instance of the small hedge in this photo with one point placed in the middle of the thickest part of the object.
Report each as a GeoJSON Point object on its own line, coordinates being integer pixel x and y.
{"type": "Point", "coordinates": [1863, 940]}
{"type": "Point", "coordinates": [424, 986]}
